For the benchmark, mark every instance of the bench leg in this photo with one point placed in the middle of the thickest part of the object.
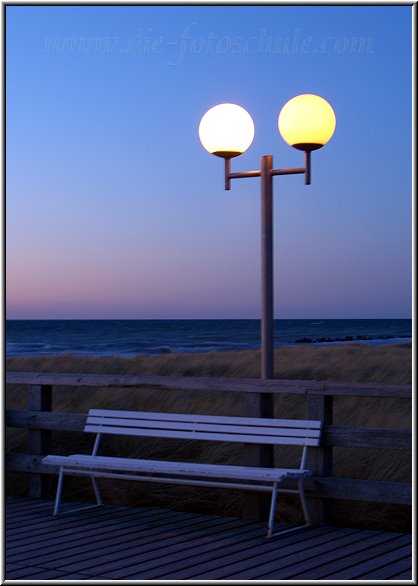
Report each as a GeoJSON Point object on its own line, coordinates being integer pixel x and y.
{"type": "Point", "coordinates": [96, 491]}
{"type": "Point", "coordinates": [59, 489]}
{"type": "Point", "coordinates": [304, 503]}
{"type": "Point", "coordinates": [272, 510]}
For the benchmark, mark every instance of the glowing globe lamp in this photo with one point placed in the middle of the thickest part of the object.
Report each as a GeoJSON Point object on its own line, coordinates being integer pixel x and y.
{"type": "Point", "coordinates": [307, 122]}
{"type": "Point", "coordinates": [226, 130]}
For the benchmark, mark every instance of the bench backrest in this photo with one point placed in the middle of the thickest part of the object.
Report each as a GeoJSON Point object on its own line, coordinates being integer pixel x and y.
{"type": "Point", "coordinates": [205, 427]}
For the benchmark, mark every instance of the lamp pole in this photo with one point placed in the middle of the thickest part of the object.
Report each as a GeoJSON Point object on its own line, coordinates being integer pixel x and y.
{"type": "Point", "coordinates": [306, 122]}
{"type": "Point", "coordinates": [267, 279]}
{"type": "Point", "coordinates": [262, 404]}
{"type": "Point", "coordinates": [266, 173]}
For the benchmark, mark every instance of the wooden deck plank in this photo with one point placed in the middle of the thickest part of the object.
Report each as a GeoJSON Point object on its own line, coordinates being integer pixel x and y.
{"type": "Point", "coordinates": [14, 502]}
{"type": "Point", "coordinates": [174, 565]}
{"type": "Point", "coordinates": [64, 527]}
{"type": "Point", "coordinates": [93, 532]}
{"type": "Point", "coordinates": [46, 515]}
{"type": "Point", "coordinates": [254, 556]}
{"type": "Point", "coordinates": [92, 517]}
{"type": "Point", "coordinates": [45, 518]}
{"type": "Point", "coordinates": [317, 557]}
{"type": "Point", "coordinates": [119, 547]}
{"type": "Point", "coordinates": [381, 565]}
{"type": "Point", "coordinates": [20, 515]}
{"type": "Point", "coordinates": [38, 522]}
{"type": "Point", "coordinates": [160, 538]}
{"type": "Point", "coordinates": [391, 572]}
{"type": "Point", "coordinates": [255, 565]}
{"type": "Point", "coordinates": [15, 507]}
{"type": "Point", "coordinates": [75, 576]}
{"type": "Point", "coordinates": [13, 567]}
{"type": "Point", "coordinates": [89, 518]}
{"type": "Point", "coordinates": [22, 571]}
{"type": "Point", "coordinates": [406, 575]}
{"type": "Point", "coordinates": [120, 555]}
{"type": "Point", "coordinates": [34, 509]}
{"type": "Point", "coordinates": [363, 551]}
{"type": "Point", "coordinates": [117, 542]}
{"type": "Point", "coordinates": [34, 573]}
{"type": "Point", "coordinates": [97, 534]}
{"type": "Point", "coordinates": [179, 550]}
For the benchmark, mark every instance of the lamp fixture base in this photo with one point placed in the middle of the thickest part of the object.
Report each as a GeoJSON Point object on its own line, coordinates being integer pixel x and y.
{"type": "Point", "coordinates": [227, 154]}
{"type": "Point", "coordinates": [307, 146]}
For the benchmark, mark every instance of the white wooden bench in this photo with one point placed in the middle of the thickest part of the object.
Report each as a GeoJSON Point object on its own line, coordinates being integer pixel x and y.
{"type": "Point", "coordinates": [246, 430]}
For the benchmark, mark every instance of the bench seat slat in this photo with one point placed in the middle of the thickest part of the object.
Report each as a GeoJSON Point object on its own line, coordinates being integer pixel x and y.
{"type": "Point", "coordinates": [104, 463]}
{"type": "Point", "coordinates": [103, 423]}
{"type": "Point", "coordinates": [226, 420]}
{"type": "Point", "coordinates": [197, 435]}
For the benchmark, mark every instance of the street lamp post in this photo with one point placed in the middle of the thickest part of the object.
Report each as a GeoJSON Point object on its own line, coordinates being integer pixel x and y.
{"type": "Point", "coordinates": [306, 122]}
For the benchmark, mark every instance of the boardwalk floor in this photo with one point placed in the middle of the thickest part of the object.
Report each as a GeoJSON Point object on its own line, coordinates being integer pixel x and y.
{"type": "Point", "coordinates": [123, 543]}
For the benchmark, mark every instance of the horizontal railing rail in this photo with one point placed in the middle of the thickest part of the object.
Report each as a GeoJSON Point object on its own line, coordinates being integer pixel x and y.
{"type": "Point", "coordinates": [334, 436]}
{"type": "Point", "coordinates": [194, 383]}
{"type": "Point", "coordinates": [322, 488]}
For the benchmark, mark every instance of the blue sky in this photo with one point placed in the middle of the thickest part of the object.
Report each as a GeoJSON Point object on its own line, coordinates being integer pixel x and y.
{"type": "Point", "coordinates": [115, 210]}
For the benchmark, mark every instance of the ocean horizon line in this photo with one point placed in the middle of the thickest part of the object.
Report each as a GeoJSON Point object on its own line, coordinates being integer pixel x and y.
{"type": "Point", "coordinates": [126, 337]}
{"type": "Point", "coordinates": [201, 318]}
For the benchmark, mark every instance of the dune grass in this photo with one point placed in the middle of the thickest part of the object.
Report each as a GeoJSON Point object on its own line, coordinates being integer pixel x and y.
{"type": "Point", "coordinates": [389, 363]}
{"type": "Point", "coordinates": [350, 362]}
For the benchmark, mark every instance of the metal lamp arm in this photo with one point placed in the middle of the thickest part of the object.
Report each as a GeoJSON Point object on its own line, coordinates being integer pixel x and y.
{"type": "Point", "coordinates": [293, 171]}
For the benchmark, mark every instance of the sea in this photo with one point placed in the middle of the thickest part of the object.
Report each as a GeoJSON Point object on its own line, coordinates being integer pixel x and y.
{"type": "Point", "coordinates": [153, 337]}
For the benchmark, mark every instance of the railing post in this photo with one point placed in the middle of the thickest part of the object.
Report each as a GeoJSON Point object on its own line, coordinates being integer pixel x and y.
{"type": "Point", "coordinates": [39, 441]}
{"type": "Point", "coordinates": [256, 504]}
{"type": "Point", "coordinates": [320, 459]}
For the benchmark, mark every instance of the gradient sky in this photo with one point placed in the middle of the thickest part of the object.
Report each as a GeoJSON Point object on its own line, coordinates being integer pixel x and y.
{"type": "Point", "coordinates": [115, 210]}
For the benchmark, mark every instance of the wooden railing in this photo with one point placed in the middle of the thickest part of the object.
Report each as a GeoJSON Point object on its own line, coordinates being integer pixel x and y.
{"type": "Point", "coordinates": [40, 420]}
